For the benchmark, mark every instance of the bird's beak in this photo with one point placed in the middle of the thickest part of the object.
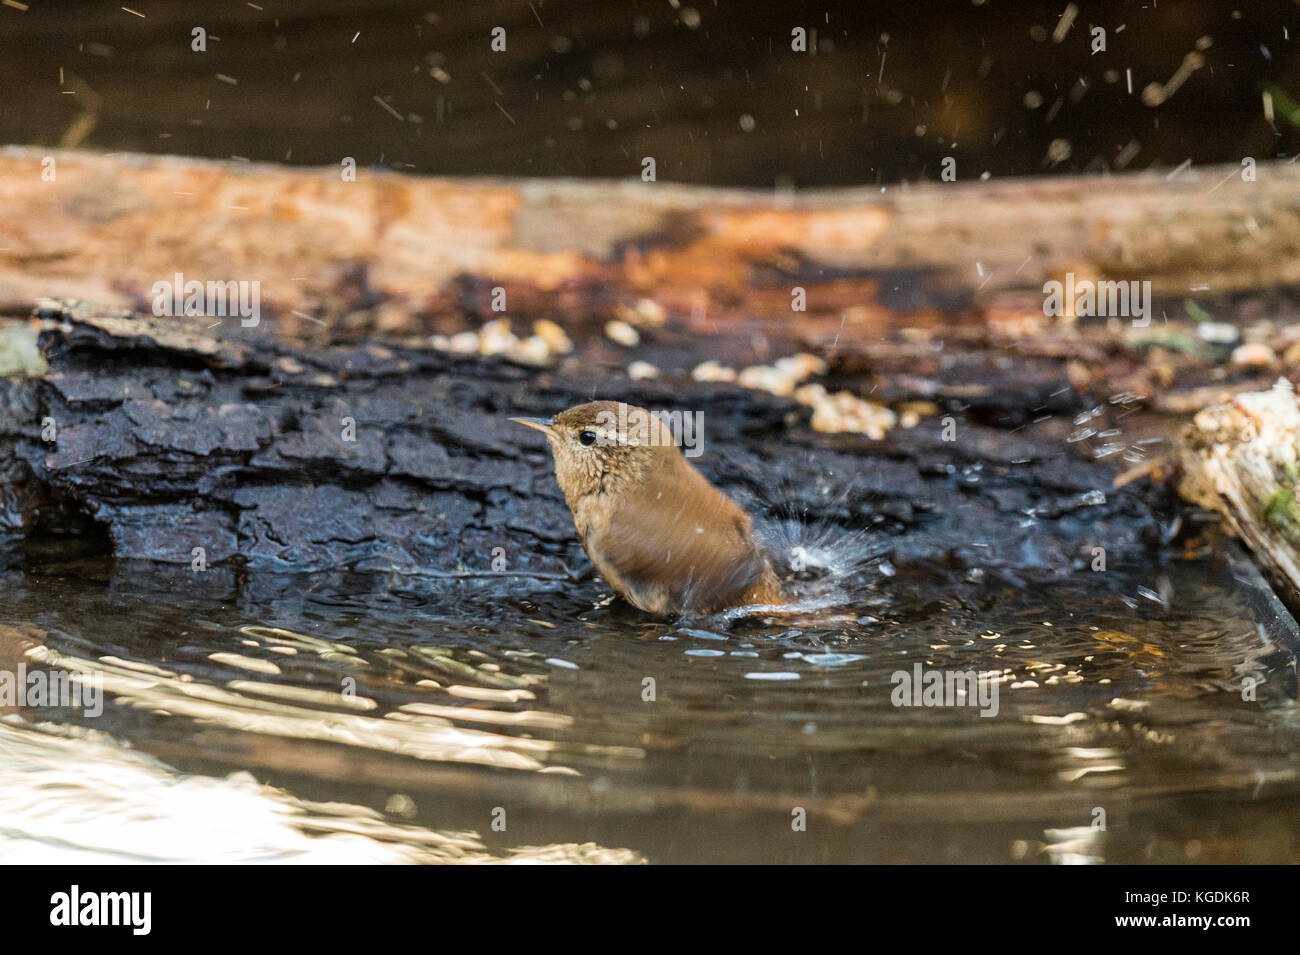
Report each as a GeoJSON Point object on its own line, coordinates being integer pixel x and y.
{"type": "Point", "coordinates": [539, 424]}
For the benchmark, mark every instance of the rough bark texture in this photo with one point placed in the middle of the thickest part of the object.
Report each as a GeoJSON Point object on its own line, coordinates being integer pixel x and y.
{"type": "Point", "coordinates": [1242, 460]}
{"type": "Point", "coordinates": [170, 438]}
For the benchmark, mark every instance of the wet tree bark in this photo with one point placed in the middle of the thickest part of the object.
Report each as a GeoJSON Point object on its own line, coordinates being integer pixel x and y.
{"type": "Point", "coordinates": [268, 454]}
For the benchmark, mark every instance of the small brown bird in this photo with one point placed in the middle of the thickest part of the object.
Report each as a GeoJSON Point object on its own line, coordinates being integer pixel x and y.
{"type": "Point", "coordinates": [661, 535]}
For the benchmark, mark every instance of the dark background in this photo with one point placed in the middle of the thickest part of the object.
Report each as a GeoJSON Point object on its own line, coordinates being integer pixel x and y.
{"type": "Point", "coordinates": [587, 89]}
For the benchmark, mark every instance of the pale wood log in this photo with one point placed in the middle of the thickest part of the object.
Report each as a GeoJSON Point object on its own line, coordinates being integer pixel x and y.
{"type": "Point", "coordinates": [1242, 460]}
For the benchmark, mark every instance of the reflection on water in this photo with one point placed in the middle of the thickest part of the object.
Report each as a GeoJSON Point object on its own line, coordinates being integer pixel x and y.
{"type": "Point", "coordinates": [75, 796]}
{"type": "Point", "coordinates": [409, 719]}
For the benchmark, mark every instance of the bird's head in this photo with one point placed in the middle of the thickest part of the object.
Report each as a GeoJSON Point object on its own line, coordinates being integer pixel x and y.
{"type": "Point", "coordinates": [605, 446]}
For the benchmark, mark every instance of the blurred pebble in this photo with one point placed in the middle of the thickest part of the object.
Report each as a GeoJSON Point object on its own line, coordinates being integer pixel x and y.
{"type": "Point", "coordinates": [846, 412]}
{"type": "Point", "coordinates": [1253, 355]}
{"type": "Point", "coordinates": [495, 337]}
{"type": "Point", "coordinates": [533, 350]}
{"type": "Point", "coordinates": [1218, 333]}
{"type": "Point", "coordinates": [712, 371]}
{"type": "Point", "coordinates": [622, 333]}
{"type": "Point", "coordinates": [556, 340]}
{"type": "Point", "coordinates": [645, 313]}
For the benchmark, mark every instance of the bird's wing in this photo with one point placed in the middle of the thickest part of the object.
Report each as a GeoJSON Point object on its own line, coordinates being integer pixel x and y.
{"type": "Point", "coordinates": [678, 550]}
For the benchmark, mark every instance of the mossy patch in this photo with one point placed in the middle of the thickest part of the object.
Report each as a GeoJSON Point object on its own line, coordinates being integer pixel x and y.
{"type": "Point", "coordinates": [19, 356]}
{"type": "Point", "coordinates": [1282, 513]}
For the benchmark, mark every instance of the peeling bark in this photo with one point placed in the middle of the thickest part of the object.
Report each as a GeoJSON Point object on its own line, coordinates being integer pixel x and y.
{"type": "Point", "coordinates": [1242, 460]}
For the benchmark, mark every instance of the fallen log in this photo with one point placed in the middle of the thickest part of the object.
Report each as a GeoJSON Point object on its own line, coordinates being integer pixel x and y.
{"type": "Point", "coordinates": [361, 424]}
{"type": "Point", "coordinates": [181, 446]}
{"type": "Point", "coordinates": [401, 254]}
{"type": "Point", "coordinates": [920, 292]}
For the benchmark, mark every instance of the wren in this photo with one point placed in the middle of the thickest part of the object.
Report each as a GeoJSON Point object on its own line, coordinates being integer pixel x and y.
{"type": "Point", "coordinates": [660, 534]}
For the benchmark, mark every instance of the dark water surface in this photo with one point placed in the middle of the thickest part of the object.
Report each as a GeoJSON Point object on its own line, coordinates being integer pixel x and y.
{"type": "Point", "coordinates": [396, 718]}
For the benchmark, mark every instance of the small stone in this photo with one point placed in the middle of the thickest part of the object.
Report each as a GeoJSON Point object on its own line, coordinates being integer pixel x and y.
{"type": "Point", "coordinates": [533, 350]}
{"type": "Point", "coordinates": [464, 343]}
{"type": "Point", "coordinates": [810, 394]}
{"type": "Point", "coordinates": [846, 412]}
{"type": "Point", "coordinates": [645, 313]}
{"type": "Point", "coordinates": [1218, 333]}
{"type": "Point", "coordinates": [712, 371]}
{"type": "Point", "coordinates": [801, 366]}
{"type": "Point", "coordinates": [495, 337]}
{"type": "Point", "coordinates": [1253, 355]}
{"type": "Point", "coordinates": [554, 336]}
{"type": "Point", "coordinates": [622, 333]}
{"type": "Point", "coordinates": [766, 378]}
{"type": "Point", "coordinates": [641, 370]}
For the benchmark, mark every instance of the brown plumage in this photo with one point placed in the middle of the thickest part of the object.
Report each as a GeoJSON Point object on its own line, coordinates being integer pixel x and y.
{"type": "Point", "coordinates": [661, 535]}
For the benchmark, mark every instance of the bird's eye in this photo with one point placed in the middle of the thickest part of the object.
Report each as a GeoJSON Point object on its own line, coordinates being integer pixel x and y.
{"type": "Point", "coordinates": [587, 438]}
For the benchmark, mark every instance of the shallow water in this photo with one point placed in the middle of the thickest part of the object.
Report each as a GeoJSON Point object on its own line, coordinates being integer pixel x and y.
{"type": "Point", "coordinates": [424, 711]}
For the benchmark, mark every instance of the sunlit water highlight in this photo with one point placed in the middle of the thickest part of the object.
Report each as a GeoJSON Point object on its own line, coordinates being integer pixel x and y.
{"type": "Point", "coordinates": [419, 711]}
